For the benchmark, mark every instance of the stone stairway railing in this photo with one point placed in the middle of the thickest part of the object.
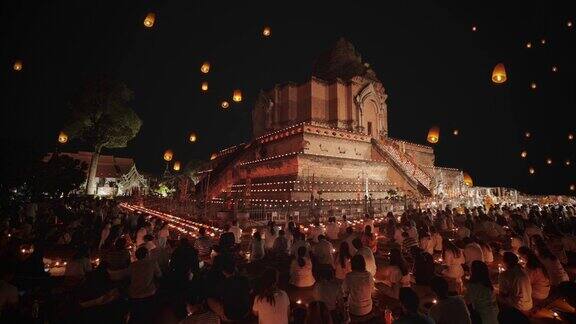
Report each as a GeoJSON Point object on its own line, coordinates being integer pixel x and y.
{"type": "Point", "coordinates": [405, 163]}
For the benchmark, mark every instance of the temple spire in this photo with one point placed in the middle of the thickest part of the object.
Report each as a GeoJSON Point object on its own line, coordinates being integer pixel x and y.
{"type": "Point", "coordinates": [341, 61]}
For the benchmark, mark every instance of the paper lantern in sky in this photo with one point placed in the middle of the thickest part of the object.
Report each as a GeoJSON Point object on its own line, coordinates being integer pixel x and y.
{"type": "Point", "coordinates": [193, 138]}
{"type": "Point", "coordinates": [18, 65]}
{"type": "Point", "coordinates": [499, 74]}
{"type": "Point", "coordinates": [468, 180]}
{"type": "Point", "coordinates": [205, 68]}
{"type": "Point", "coordinates": [176, 166]}
{"type": "Point", "coordinates": [433, 135]}
{"type": "Point", "coordinates": [204, 86]}
{"type": "Point", "coordinates": [62, 138]}
{"type": "Point", "coordinates": [168, 155]}
{"type": "Point", "coordinates": [150, 20]}
{"type": "Point", "coordinates": [237, 95]}
{"type": "Point", "coordinates": [266, 32]}
{"type": "Point", "coordinates": [225, 104]}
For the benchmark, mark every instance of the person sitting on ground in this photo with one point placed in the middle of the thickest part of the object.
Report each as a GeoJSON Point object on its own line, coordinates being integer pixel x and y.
{"type": "Point", "coordinates": [315, 231]}
{"type": "Point", "coordinates": [184, 262]}
{"type": "Point", "coordinates": [203, 244]}
{"type": "Point", "coordinates": [332, 229]}
{"type": "Point", "coordinates": [257, 250]}
{"type": "Point", "coordinates": [350, 236]}
{"type": "Point", "coordinates": [448, 309]}
{"type": "Point", "coordinates": [396, 274]}
{"type": "Point", "coordinates": [232, 302]}
{"type": "Point", "coordinates": [407, 243]}
{"type": "Point", "coordinates": [197, 310]}
{"type": "Point", "coordinates": [323, 251]}
{"type": "Point", "coordinates": [410, 315]}
{"type": "Point", "coordinates": [369, 239]}
{"type": "Point", "coordinates": [342, 261]}
{"type": "Point", "coordinates": [359, 285]}
{"type": "Point", "coordinates": [480, 293]}
{"type": "Point", "coordinates": [426, 243]}
{"type": "Point", "coordinates": [281, 244]}
{"type": "Point", "coordinates": [117, 261]}
{"type": "Point", "coordinates": [163, 235]}
{"type": "Point", "coordinates": [270, 236]}
{"type": "Point", "coordinates": [301, 270]}
{"type": "Point", "coordinates": [437, 239]}
{"type": "Point", "coordinates": [472, 251]}
{"type": "Point", "coordinates": [424, 268]}
{"type": "Point", "coordinates": [537, 273]}
{"type": "Point", "coordinates": [299, 241]}
{"type": "Point", "coordinates": [143, 273]}
{"type": "Point", "coordinates": [486, 252]}
{"type": "Point", "coordinates": [515, 287]}
{"type": "Point", "coordinates": [554, 268]}
{"type": "Point", "coordinates": [77, 268]}
{"type": "Point", "coordinates": [271, 304]}
{"type": "Point", "coordinates": [454, 259]}
{"type": "Point", "coordinates": [327, 289]}
{"type": "Point", "coordinates": [367, 254]}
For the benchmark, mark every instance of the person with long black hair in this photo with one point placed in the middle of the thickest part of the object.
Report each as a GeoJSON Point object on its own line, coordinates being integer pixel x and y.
{"type": "Point", "coordinates": [480, 293]}
{"type": "Point", "coordinates": [342, 261]}
{"type": "Point", "coordinates": [271, 304]}
{"type": "Point", "coordinates": [301, 269]}
{"type": "Point", "coordinates": [537, 274]}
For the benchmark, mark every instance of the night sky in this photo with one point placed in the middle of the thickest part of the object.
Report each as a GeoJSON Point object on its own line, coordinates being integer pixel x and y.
{"type": "Point", "coordinates": [435, 69]}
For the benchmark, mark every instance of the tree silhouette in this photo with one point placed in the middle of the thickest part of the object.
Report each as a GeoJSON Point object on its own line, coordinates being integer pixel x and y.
{"type": "Point", "coordinates": [102, 118]}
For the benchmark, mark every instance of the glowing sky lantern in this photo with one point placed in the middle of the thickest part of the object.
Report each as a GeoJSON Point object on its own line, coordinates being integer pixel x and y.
{"type": "Point", "coordinates": [499, 74]}
{"type": "Point", "coordinates": [168, 155]}
{"type": "Point", "coordinates": [204, 86]}
{"type": "Point", "coordinates": [468, 180]}
{"type": "Point", "coordinates": [17, 65]}
{"type": "Point", "coordinates": [549, 161]}
{"type": "Point", "coordinates": [205, 68]}
{"type": "Point", "coordinates": [527, 134]}
{"type": "Point", "coordinates": [62, 138]}
{"type": "Point", "coordinates": [567, 163]}
{"type": "Point", "coordinates": [176, 166]}
{"type": "Point", "coordinates": [433, 135]}
{"type": "Point", "coordinates": [531, 170]}
{"type": "Point", "coordinates": [474, 28]}
{"type": "Point", "coordinates": [554, 68]}
{"type": "Point", "coordinates": [193, 138]}
{"type": "Point", "coordinates": [266, 32]}
{"type": "Point", "coordinates": [533, 85]}
{"type": "Point", "coordinates": [150, 20]}
{"type": "Point", "coordinates": [524, 154]}
{"type": "Point", "coordinates": [572, 187]}
{"type": "Point", "coordinates": [569, 23]}
{"type": "Point", "coordinates": [528, 45]}
{"type": "Point", "coordinates": [543, 41]}
{"type": "Point", "coordinates": [455, 132]}
{"type": "Point", "coordinates": [213, 156]}
{"type": "Point", "coordinates": [570, 136]}
{"type": "Point", "coordinates": [237, 95]}
{"type": "Point", "coordinates": [225, 104]}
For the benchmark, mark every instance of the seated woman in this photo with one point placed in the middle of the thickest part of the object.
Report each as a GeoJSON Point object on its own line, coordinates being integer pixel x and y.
{"type": "Point", "coordinates": [537, 274]}
{"type": "Point", "coordinates": [480, 293]}
{"type": "Point", "coordinates": [257, 247]}
{"type": "Point", "coordinates": [554, 268]}
{"type": "Point", "coordinates": [369, 239]}
{"type": "Point", "coordinates": [359, 285]}
{"type": "Point", "coordinates": [271, 304]}
{"type": "Point", "coordinates": [396, 274]}
{"type": "Point", "coordinates": [342, 261]}
{"type": "Point", "coordinates": [301, 269]}
{"type": "Point", "coordinates": [327, 289]}
{"type": "Point", "coordinates": [454, 258]}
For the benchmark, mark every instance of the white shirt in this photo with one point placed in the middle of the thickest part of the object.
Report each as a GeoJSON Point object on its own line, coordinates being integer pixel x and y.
{"type": "Point", "coordinates": [516, 289]}
{"type": "Point", "coordinates": [323, 252]}
{"type": "Point", "coordinates": [473, 252]}
{"type": "Point", "coordinates": [301, 276]}
{"type": "Point", "coordinates": [332, 231]}
{"type": "Point", "coordinates": [272, 314]}
{"type": "Point", "coordinates": [237, 231]}
{"type": "Point", "coordinates": [359, 286]}
{"type": "Point", "coordinates": [369, 259]}
{"type": "Point", "coordinates": [315, 231]}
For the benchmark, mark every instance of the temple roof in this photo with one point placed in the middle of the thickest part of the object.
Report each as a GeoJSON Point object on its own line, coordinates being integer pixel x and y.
{"type": "Point", "coordinates": [342, 61]}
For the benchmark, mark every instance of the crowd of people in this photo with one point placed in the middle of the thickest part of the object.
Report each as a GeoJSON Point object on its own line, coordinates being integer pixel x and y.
{"type": "Point", "coordinates": [479, 265]}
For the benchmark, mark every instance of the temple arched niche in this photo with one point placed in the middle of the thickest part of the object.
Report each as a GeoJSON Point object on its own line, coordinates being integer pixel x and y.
{"type": "Point", "coordinates": [370, 111]}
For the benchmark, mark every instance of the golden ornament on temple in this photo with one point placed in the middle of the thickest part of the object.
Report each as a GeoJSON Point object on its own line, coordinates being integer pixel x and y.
{"type": "Point", "coordinates": [149, 20]}
{"type": "Point", "coordinates": [176, 166]}
{"type": "Point", "coordinates": [531, 170]}
{"type": "Point", "coordinates": [193, 138]}
{"type": "Point", "coordinates": [266, 31]}
{"type": "Point", "coordinates": [524, 154]}
{"type": "Point", "coordinates": [468, 180]}
{"type": "Point", "coordinates": [205, 68]}
{"type": "Point", "coordinates": [433, 135]}
{"type": "Point", "coordinates": [533, 85]}
{"type": "Point", "coordinates": [225, 104]}
{"type": "Point", "coordinates": [549, 161]}
{"type": "Point", "coordinates": [62, 138]}
{"type": "Point", "coordinates": [17, 65]}
{"type": "Point", "coordinates": [204, 86]}
{"type": "Point", "coordinates": [168, 155]}
{"type": "Point", "coordinates": [499, 74]}
{"type": "Point", "coordinates": [237, 95]}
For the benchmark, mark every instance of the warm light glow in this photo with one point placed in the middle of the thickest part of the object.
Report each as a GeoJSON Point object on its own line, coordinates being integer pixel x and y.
{"type": "Point", "coordinates": [204, 86]}
{"type": "Point", "coordinates": [528, 45]}
{"type": "Point", "coordinates": [531, 170]}
{"type": "Point", "coordinates": [213, 156]}
{"type": "Point", "coordinates": [225, 104]}
{"type": "Point", "coordinates": [149, 20]}
{"type": "Point", "coordinates": [499, 74]}
{"type": "Point", "coordinates": [572, 187]}
{"type": "Point", "coordinates": [548, 161]}
{"type": "Point", "coordinates": [524, 154]}
{"type": "Point", "coordinates": [168, 155]}
{"type": "Point", "coordinates": [567, 162]}
{"type": "Point", "coordinates": [533, 85]}
{"type": "Point", "coordinates": [176, 166]}
{"type": "Point", "coordinates": [468, 180]}
{"type": "Point", "coordinates": [62, 138]}
{"type": "Point", "coordinates": [455, 132]}
{"type": "Point", "coordinates": [474, 28]}
{"type": "Point", "coordinates": [193, 138]}
{"type": "Point", "coordinates": [266, 31]}
{"type": "Point", "coordinates": [205, 68]}
{"type": "Point", "coordinates": [570, 136]}
{"type": "Point", "coordinates": [237, 95]}
{"type": "Point", "coordinates": [569, 23]}
{"type": "Point", "coordinates": [554, 68]}
{"type": "Point", "coordinates": [18, 65]}
{"type": "Point", "coordinates": [543, 41]}
{"type": "Point", "coordinates": [527, 134]}
{"type": "Point", "coordinates": [433, 135]}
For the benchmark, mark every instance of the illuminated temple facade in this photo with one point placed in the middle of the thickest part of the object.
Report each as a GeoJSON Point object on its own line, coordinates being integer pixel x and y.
{"type": "Point", "coordinates": [327, 140]}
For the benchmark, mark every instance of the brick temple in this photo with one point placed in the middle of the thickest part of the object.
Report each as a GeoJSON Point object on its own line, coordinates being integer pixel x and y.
{"type": "Point", "coordinates": [326, 140]}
